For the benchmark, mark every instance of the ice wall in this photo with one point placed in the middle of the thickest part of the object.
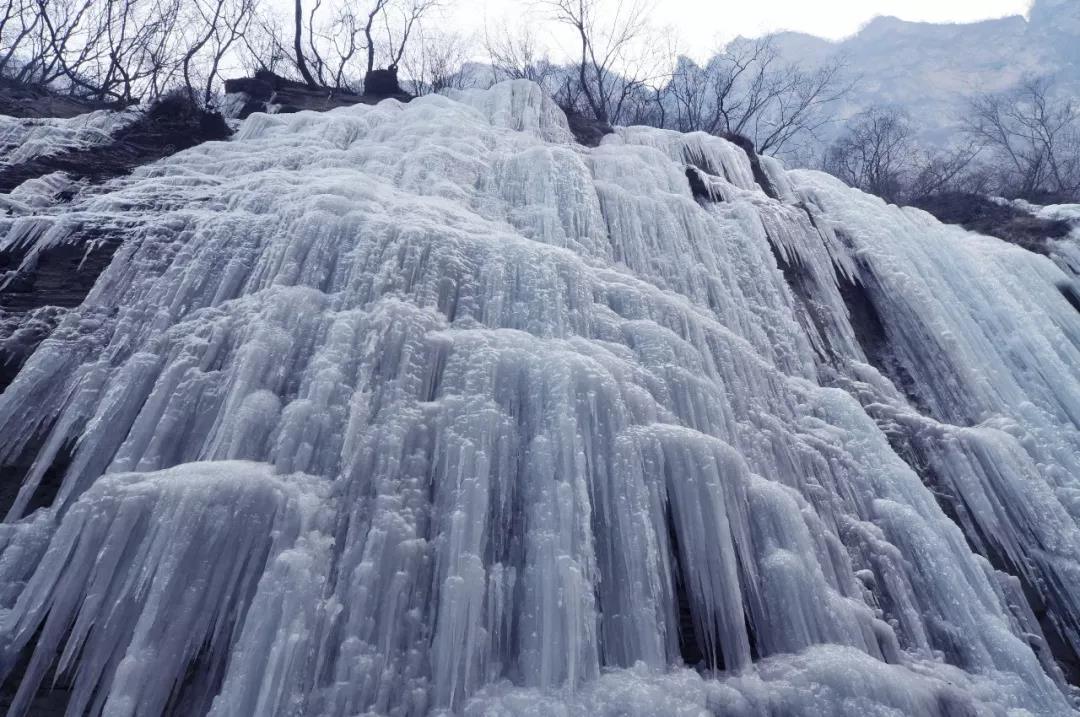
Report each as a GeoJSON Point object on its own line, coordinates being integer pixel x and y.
{"type": "Point", "coordinates": [422, 408]}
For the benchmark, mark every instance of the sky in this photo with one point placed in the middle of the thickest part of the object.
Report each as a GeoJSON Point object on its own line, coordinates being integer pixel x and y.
{"type": "Point", "coordinates": [703, 25]}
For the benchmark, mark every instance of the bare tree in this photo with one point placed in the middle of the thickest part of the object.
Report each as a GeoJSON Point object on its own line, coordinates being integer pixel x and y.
{"type": "Point", "coordinates": [234, 25]}
{"type": "Point", "coordinates": [515, 55]}
{"type": "Point", "coordinates": [110, 49]}
{"type": "Point", "coordinates": [211, 16]}
{"type": "Point", "coordinates": [1033, 137]}
{"type": "Point", "coordinates": [13, 11]}
{"type": "Point", "coordinates": [946, 170]}
{"type": "Point", "coordinates": [612, 65]}
{"type": "Point", "coordinates": [18, 22]}
{"type": "Point", "coordinates": [122, 50]}
{"type": "Point", "coordinates": [879, 153]}
{"type": "Point", "coordinates": [876, 153]}
{"type": "Point", "coordinates": [263, 47]}
{"type": "Point", "coordinates": [38, 46]}
{"type": "Point", "coordinates": [141, 48]}
{"type": "Point", "coordinates": [329, 46]}
{"type": "Point", "coordinates": [345, 37]}
{"type": "Point", "coordinates": [409, 16]}
{"type": "Point", "coordinates": [649, 101]}
{"type": "Point", "coordinates": [745, 89]}
{"type": "Point", "coordinates": [688, 92]}
{"type": "Point", "coordinates": [377, 8]}
{"type": "Point", "coordinates": [298, 43]}
{"type": "Point", "coordinates": [217, 25]}
{"type": "Point", "coordinates": [436, 62]}
{"type": "Point", "coordinates": [328, 38]}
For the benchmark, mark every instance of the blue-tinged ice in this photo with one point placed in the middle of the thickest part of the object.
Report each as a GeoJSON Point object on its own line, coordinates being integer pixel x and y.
{"type": "Point", "coordinates": [424, 409]}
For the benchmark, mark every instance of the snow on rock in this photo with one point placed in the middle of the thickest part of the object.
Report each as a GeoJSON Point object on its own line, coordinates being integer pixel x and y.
{"type": "Point", "coordinates": [22, 139]}
{"type": "Point", "coordinates": [410, 409]}
{"type": "Point", "coordinates": [1063, 250]}
{"type": "Point", "coordinates": [1066, 251]}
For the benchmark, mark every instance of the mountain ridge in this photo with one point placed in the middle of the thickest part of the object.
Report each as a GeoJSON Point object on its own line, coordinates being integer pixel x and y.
{"type": "Point", "coordinates": [944, 63]}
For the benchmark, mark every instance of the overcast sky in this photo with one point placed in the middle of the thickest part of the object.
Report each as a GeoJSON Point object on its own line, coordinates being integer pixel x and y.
{"type": "Point", "coordinates": [703, 24]}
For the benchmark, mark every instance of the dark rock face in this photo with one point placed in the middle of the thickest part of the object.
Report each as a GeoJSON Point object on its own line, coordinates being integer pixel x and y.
{"type": "Point", "coordinates": [698, 171]}
{"type": "Point", "coordinates": [172, 124]}
{"type": "Point", "coordinates": [260, 87]}
{"type": "Point", "coordinates": [266, 88]}
{"type": "Point", "coordinates": [257, 90]}
{"type": "Point", "coordinates": [697, 185]}
{"type": "Point", "coordinates": [980, 214]}
{"type": "Point", "coordinates": [382, 83]}
{"type": "Point", "coordinates": [586, 130]}
{"type": "Point", "coordinates": [747, 145]}
{"type": "Point", "coordinates": [33, 301]}
{"type": "Point", "coordinates": [1071, 294]}
{"type": "Point", "coordinates": [18, 99]}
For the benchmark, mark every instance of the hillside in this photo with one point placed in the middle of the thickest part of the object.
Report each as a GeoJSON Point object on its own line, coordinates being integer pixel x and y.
{"type": "Point", "coordinates": [928, 69]}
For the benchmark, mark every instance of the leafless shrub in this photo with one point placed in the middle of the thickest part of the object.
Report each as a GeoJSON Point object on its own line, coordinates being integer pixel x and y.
{"type": "Point", "coordinates": [615, 61]}
{"type": "Point", "coordinates": [879, 153]}
{"type": "Point", "coordinates": [747, 90]}
{"type": "Point", "coordinates": [436, 62]}
{"type": "Point", "coordinates": [1032, 138]}
{"type": "Point", "coordinates": [515, 54]}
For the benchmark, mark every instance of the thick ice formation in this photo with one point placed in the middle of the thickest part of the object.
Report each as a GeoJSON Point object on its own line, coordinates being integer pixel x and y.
{"type": "Point", "coordinates": [423, 408]}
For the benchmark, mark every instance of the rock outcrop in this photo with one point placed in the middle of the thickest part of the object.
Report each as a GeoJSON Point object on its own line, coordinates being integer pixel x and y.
{"type": "Point", "coordinates": [268, 92]}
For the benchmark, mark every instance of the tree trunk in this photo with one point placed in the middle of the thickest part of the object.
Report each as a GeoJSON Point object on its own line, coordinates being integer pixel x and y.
{"type": "Point", "coordinates": [298, 46]}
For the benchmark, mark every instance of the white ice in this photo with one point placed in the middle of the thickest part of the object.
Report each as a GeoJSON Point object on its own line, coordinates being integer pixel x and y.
{"type": "Point", "coordinates": [409, 409]}
{"type": "Point", "coordinates": [22, 139]}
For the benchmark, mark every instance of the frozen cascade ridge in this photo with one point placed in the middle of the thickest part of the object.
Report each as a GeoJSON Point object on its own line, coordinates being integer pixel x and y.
{"type": "Point", "coordinates": [425, 409]}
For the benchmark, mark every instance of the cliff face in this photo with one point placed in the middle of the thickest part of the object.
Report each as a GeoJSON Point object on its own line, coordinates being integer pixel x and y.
{"type": "Point", "coordinates": [928, 69]}
{"type": "Point", "coordinates": [267, 92]}
{"type": "Point", "coordinates": [103, 144]}
{"type": "Point", "coordinates": [1011, 221]}
{"type": "Point", "coordinates": [47, 163]}
{"type": "Point", "coordinates": [426, 408]}
{"type": "Point", "coordinates": [18, 99]}
{"type": "Point", "coordinates": [1057, 23]}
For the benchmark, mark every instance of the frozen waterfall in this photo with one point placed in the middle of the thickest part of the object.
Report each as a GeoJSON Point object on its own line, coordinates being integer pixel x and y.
{"type": "Point", "coordinates": [423, 408]}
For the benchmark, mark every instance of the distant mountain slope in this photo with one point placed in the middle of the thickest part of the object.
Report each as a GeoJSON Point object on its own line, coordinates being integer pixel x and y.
{"type": "Point", "coordinates": [929, 68]}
